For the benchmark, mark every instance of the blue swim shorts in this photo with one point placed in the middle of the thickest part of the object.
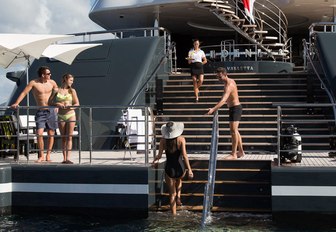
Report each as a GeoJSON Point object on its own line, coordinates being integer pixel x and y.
{"type": "Point", "coordinates": [46, 118]}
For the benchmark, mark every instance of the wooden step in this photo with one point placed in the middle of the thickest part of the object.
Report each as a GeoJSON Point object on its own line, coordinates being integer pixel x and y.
{"type": "Point", "coordinates": [236, 202]}
{"type": "Point", "coordinates": [208, 118]}
{"type": "Point", "coordinates": [211, 79]}
{"type": "Point", "coordinates": [230, 16]}
{"type": "Point", "coordinates": [213, 1]}
{"type": "Point", "coordinates": [213, 209]}
{"type": "Point", "coordinates": [247, 27]}
{"type": "Point", "coordinates": [260, 97]}
{"type": "Point", "coordinates": [201, 103]}
{"type": "Point", "coordinates": [239, 85]}
{"type": "Point", "coordinates": [221, 6]}
{"type": "Point", "coordinates": [274, 45]}
{"type": "Point", "coordinates": [238, 21]}
{"type": "Point", "coordinates": [223, 10]}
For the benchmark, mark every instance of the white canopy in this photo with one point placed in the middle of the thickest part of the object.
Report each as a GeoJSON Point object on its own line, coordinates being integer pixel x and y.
{"type": "Point", "coordinates": [16, 46]}
{"type": "Point", "coordinates": [19, 47]}
{"type": "Point", "coordinates": [66, 52]}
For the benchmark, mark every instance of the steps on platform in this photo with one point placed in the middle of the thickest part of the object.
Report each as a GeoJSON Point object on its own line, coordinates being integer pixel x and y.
{"type": "Point", "coordinates": [241, 186]}
{"type": "Point", "coordinates": [259, 94]}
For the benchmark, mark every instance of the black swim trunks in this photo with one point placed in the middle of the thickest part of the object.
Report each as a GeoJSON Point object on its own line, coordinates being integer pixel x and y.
{"type": "Point", "coordinates": [235, 113]}
{"type": "Point", "coordinates": [46, 119]}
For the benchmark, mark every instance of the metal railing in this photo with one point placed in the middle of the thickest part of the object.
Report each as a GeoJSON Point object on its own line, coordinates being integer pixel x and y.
{"type": "Point", "coordinates": [283, 121]}
{"type": "Point", "coordinates": [268, 18]}
{"type": "Point", "coordinates": [161, 59]}
{"type": "Point", "coordinates": [136, 126]}
{"type": "Point", "coordinates": [309, 48]}
{"type": "Point", "coordinates": [210, 186]}
{"type": "Point", "coordinates": [130, 33]}
{"type": "Point", "coordinates": [308, 57]}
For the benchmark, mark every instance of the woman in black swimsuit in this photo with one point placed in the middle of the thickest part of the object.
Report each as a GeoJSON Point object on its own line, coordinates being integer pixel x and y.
{"type": "Point", "coordinates": [177, 161]}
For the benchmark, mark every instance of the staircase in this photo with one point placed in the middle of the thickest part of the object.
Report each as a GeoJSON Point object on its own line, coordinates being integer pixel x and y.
{"type": "Point", "coordinates": [258, 93]}
{"type": "Point", "coordinates": [237, 189]}
{"type": "Point", "coordinates": [268, 30]}
{"type": "Point", "coordinates": [241, 185]}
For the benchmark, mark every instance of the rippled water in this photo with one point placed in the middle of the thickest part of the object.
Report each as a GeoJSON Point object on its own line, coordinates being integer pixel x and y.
{"type": "Point", "coordinates": [157, 221]}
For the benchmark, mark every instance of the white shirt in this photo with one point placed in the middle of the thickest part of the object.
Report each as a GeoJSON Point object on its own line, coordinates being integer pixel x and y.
{"type": "Point", "coordinates": [196, 55]}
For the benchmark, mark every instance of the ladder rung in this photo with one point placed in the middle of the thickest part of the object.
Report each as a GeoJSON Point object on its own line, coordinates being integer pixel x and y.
{"type": "Point", "coordinates": [220, 6]}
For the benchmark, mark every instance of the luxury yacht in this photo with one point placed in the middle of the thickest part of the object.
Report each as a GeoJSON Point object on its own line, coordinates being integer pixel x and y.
{"type": "Point", "coordinates": [187, 19]}
{"type": "Point", "coordinates": [146, 41]}
{"type": "Point", "coordinates": [281, 54]}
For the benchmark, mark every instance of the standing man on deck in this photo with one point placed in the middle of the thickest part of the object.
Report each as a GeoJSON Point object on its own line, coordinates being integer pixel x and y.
{"type": "Point", "coordinates": [42, 88]}
{"type": "Point", "coordinates": [230, 97]}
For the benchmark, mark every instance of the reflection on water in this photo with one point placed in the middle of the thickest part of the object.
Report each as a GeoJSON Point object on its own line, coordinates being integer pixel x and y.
{"type": "Point", "coordinates": [157, 221]}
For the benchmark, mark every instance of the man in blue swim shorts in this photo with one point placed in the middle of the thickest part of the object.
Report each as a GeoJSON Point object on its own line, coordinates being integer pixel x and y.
{"type": "Point", "coordinates": [46, 118]}
{"type": "Point", "coordinates": [230, 97]}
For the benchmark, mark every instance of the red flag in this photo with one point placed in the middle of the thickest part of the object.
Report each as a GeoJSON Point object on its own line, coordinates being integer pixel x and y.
{"type": "Point", "coordinates": [248, 6]}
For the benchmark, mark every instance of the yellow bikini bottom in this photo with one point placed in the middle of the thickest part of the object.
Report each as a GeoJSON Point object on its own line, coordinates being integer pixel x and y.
{"type": "Point", "coordinates": [65, 117]}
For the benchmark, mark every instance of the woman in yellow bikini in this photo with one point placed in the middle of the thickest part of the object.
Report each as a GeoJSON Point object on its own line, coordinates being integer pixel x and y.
{"type": "Point", "coordinates": [64, 98]}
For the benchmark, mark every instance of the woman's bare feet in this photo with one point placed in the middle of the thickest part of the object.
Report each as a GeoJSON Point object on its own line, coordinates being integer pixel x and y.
{"type": "Point", "coordinates": [240, 154]}
{"type": "Point", "coordinates": [178, 201]}
{"type": "Point", "coordinates": [197, 95]}
{"type": "Point", "coordinates": [231, 157]}
{"type": "Point", "coordinates": [39, 160]}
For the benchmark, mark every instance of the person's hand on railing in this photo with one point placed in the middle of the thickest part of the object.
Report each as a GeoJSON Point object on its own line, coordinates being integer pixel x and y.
{"type": "Point", "coordinates": [190, 174]}
{"type": "Point", "coordinates": [210, 111]}
{"type": "Point", "coordinates": [155, 162]}
{"type": "Point", "coordinates": [14, 106]}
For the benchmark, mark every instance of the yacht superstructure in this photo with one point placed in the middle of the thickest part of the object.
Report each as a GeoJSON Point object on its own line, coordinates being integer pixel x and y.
{"type": "Point", "coordinates": [143, 64]}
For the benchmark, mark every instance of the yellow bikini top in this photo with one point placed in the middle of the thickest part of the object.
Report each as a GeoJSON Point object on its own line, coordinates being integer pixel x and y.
{"type": "Point", "coordinates": [62, 98]}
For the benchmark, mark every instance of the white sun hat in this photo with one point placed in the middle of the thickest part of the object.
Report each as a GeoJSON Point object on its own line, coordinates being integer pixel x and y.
{"type": "Point", "coordinates": [171, 130]}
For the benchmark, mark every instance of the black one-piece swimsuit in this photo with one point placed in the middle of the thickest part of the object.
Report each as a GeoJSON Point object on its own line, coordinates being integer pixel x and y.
{"type": "Point", "coordinates": [174, 165]}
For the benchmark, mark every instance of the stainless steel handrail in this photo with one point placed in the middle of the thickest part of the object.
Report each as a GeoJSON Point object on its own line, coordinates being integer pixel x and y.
{"type": "Point", "coordinates": [330, 95]}
{"type": "Point", "coordinates": [152, 75]}
{"type": "Point", "coordinates": [280, 108]}
{"type": "Point", "coordinates": [279, 133]}
{"type": "Point", "coordinates": [210, 186]}
{"type": "Point", "coordinates": [90, 132]}
{"type": "Point", "coordinates": [267, 16]}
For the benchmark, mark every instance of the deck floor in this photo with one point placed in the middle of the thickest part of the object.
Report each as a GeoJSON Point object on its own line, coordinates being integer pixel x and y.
{"type": "Point", "coordinates": [311, 159]}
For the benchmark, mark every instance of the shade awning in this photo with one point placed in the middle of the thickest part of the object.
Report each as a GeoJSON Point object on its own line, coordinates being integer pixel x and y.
{"type": "Point", "coordinates": [16, 46]}
{"type": "Point", "coordinates": [66, 53]}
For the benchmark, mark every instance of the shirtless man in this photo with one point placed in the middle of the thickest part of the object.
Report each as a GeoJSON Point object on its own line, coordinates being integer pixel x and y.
{"type": "Point", "coordinates": [45, 117]}
{"type": "Point", "coordinates": [230, 97]}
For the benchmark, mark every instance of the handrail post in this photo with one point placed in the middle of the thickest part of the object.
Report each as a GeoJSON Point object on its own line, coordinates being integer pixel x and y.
{"type": "Point", "coordinates": [17, 135]}
{"type": "Point", "coordinates": [27, 147]}
{"type": "Point", "coordinates": [279, 133]}
{"type": "Point", "coordinates": [79, 134]}
{"type": "Point", "coordinates": [90, 133]}
{"type": "Point", "coordinates": [209, 187]}
{"type": "Point", "coordinates": [146, 136]}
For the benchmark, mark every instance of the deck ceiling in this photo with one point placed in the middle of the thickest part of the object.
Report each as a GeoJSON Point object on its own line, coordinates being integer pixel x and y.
{"type": "Point", "coordinates": [185, 18]}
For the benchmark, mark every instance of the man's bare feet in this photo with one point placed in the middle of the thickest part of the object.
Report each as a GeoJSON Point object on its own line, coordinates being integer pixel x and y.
{"type": "Point", "coordinates": [230, 157]}
{"type": "Point", "coordinates": [240, 154]}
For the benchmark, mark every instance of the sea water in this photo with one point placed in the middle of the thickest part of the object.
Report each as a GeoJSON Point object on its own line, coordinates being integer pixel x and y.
{"type": "Point", "coordinates": [157, 221]}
